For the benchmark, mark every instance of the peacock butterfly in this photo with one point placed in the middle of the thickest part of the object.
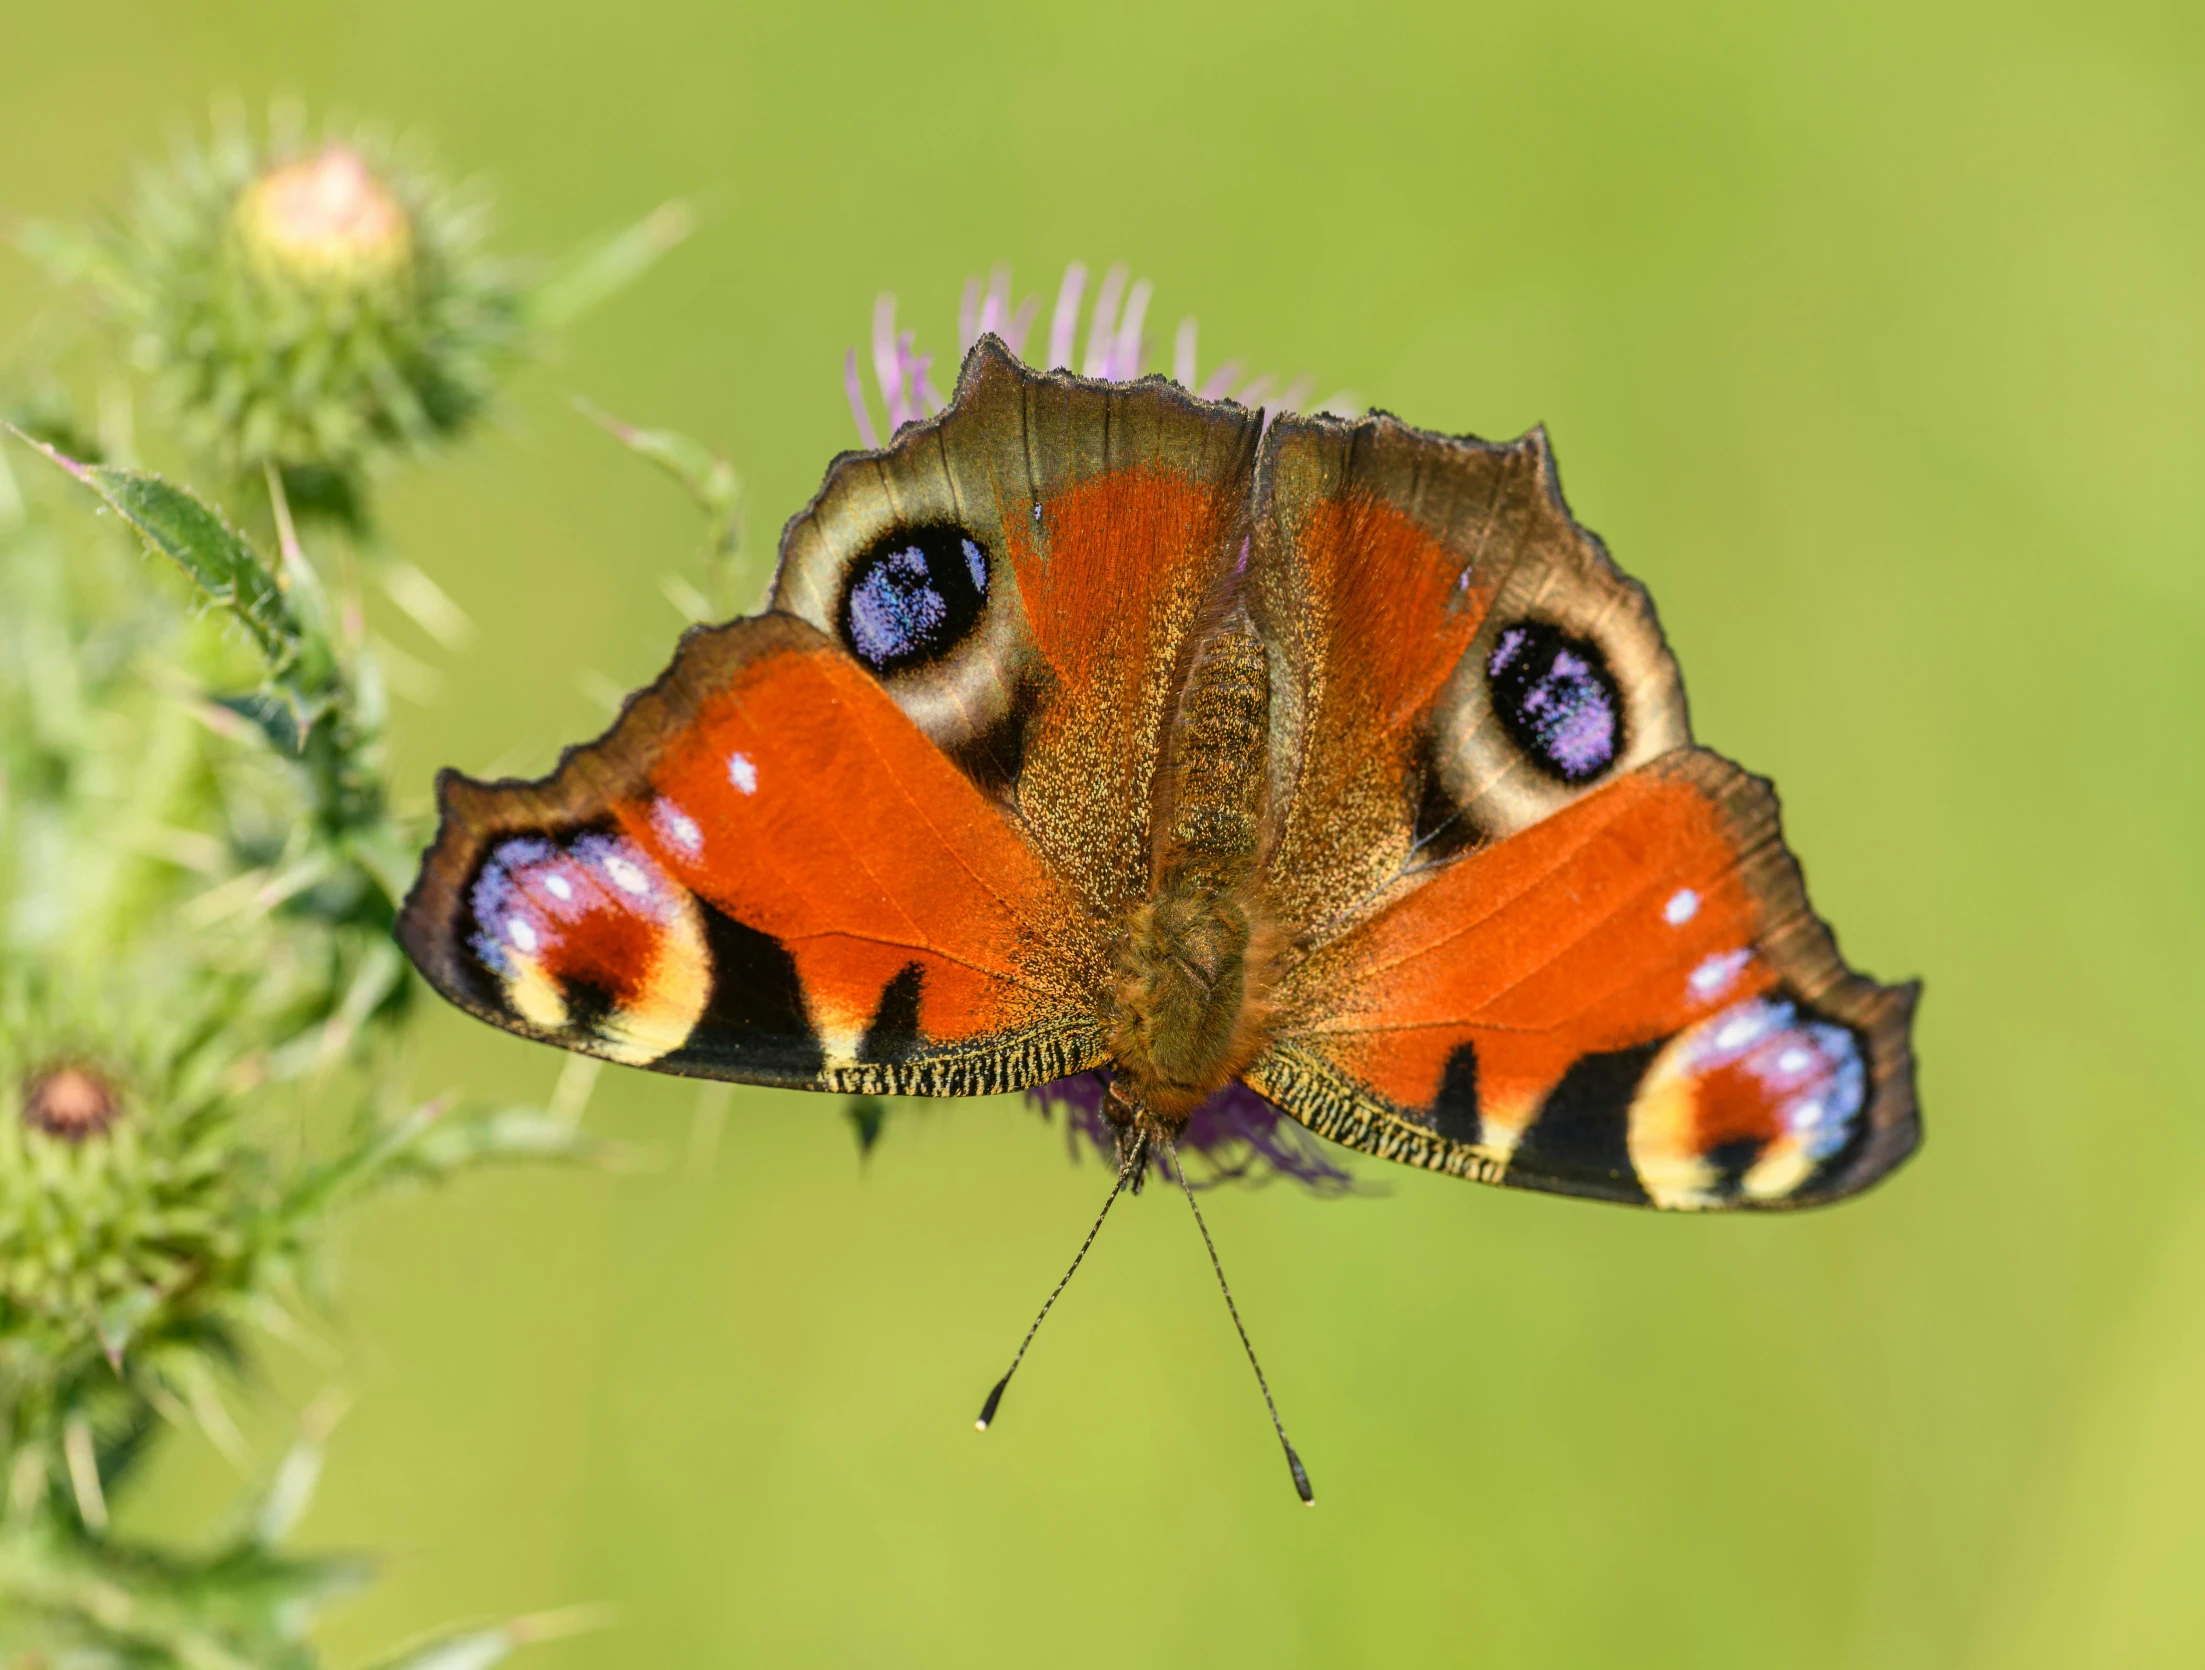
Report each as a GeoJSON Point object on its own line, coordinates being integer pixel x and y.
{"type": "Point", "coordinates": [1092, 725]}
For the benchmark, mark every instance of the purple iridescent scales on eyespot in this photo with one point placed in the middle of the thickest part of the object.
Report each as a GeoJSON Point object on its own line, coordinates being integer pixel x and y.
{"type": "Point", "coordinates": [530, 887]}
{"type": "Point", "coordinates": [915, 597]}
{"type": "Point", "coordinates": [1558, 699]}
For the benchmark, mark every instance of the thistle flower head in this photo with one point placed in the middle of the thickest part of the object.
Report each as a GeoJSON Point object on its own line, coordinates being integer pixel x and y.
{"type": "Point", "coordinates": [1118, 349]}
{"type": "Point", "coordinates": [312, 303]}
{"type": "Point", "coordinates": [117, 1229]}
{"type": "Point", "coordinates": [70, 1100]}
{"type": "Point", "coordinates": [326, 216]}
{"type": "Point", "coordinates": [1236, 1137]}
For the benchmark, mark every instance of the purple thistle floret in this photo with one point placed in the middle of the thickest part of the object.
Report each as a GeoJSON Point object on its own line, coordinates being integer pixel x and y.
{"type": "Point", "coordinates": [1236, 1135]}
{"type": "Point", "coordinates": [1117, 350]}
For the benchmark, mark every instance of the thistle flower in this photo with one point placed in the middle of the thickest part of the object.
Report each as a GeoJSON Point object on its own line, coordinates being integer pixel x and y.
{"type": "Point", "coordinates": [311, 304]}
{"type": "Point", "coordinates": [1118, 348]}
{"type": "Point", "coordinates": [1236, 1135]}
{"type": "Point", "coordinates": [70, 1100]}
{"type": "Point", "coordinates": [326, 216]}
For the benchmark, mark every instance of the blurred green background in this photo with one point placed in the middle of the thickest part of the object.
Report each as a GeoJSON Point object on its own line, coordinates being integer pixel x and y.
{"type": "Point", "coordinates": [1870, 335]}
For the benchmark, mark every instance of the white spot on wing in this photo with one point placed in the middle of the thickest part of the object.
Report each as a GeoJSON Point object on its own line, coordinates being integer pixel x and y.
{"type": "Point", "coordinates": [1715, 974]}
{"type": "Point", "coordinates": [559, 887]}
{"type": "Point", "coordinates": [742, 773]}
{"type": "Point", "coordinates": [1683, 905]}
{"type": "Point", "coordinates": [678, 827]}
{"type": "Point", "coordinates": [1748, 1025]}
{"type": "Point", "coordinates": [626, 876]}
{"type": "Point", "coordinates": [521, 934]}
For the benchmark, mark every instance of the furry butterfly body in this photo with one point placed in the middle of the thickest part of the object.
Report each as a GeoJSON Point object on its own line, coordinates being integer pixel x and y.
{"type": "Point", "coordinates": [1094, 726]}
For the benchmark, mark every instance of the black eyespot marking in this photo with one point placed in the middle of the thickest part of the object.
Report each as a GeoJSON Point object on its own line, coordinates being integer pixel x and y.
{"type": "Point", "coordinates": [1442, 829]}
{"type": "Point", "coordinates": [1558, 699]}
{"type": "Point", "coordinates": [913, 596]}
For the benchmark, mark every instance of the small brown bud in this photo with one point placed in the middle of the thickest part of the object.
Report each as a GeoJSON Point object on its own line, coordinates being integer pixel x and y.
{"type": "Point", "coordinates": [70, 1102]}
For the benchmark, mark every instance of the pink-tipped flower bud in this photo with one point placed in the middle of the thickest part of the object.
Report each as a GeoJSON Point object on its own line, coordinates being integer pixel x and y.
{"type": "Point", "coordinates": [326, 215]}
{"type": "Point", "coordinates": [70, 1101]}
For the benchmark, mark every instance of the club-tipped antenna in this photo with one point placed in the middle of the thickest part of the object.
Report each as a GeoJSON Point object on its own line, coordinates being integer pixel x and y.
{"type": "Point", "coordinates": [1293, 1461]}
{"type": "Point", "coordinates": [1129, 1167]}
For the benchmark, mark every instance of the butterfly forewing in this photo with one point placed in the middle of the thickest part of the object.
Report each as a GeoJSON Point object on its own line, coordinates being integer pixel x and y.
{"type": "Point", "coordinates": [1104, 522]}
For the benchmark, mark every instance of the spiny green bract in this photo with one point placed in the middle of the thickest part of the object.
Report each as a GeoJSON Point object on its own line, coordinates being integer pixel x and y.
{"type": "Point", "coordinates": [131, 1248]}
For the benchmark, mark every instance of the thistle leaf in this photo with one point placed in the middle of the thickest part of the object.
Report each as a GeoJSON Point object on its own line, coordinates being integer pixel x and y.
{"type": "Point", "coordinates": [710, 479]}
{"type": "Point", "coordinates": [479, 1648]}
{"type": "Point", "coordinates": [71, 255]}
{"type": "Point", "coordinates": [274, 718]}
{"type": "Point", "coordinates": [269, 1516]}
{"type": "Point", "coordinates": [609, 265]}
{"type": "Point", "coordinates": [476, 1650]}
{"type": "Point", "coordinates": [190, 533]}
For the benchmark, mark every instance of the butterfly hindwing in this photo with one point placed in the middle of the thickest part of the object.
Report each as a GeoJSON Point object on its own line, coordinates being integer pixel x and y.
{"type": "Point", "coordinates": [1629, 1000]}
{"type": "Point", "coordinates": [1541, 938]}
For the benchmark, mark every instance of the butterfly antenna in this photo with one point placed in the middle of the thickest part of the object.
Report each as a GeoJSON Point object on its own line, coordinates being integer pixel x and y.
{"type": "Point", "coordinates": [1128, 1168]}
{"type": "Point", "coordinates": [1293, 1461]}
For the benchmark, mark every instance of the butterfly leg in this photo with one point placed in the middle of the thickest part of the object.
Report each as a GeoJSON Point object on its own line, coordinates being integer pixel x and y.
{"type": "Point", "coordinates": [1136, 1130]}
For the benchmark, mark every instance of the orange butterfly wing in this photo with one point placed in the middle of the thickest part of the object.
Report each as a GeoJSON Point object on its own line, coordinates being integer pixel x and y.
{"type": "Point", "coordinates": [1542, 939]}
{"type": "Point", "coordinates": [764, 872]}
{"type": "Point", "coordinates": [865, 841]}
{"type": "Point", "coordinates": [1115, 515]}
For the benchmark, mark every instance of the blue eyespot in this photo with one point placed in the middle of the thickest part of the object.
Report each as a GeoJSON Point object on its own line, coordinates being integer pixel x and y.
{"type": "Point", "coordinates": [913, 595]}
{"type": "Point", "coordinates": [1558, 700]}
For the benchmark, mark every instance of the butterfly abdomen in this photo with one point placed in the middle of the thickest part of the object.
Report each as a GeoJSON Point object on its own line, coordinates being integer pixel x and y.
{"type": "Point", "coordinates": [1212, 791]}
{"type": "Point", "coordinates": [1194, 965]}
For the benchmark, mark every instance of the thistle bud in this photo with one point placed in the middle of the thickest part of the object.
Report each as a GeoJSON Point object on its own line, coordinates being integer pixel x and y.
{"type": "Point", "coordinates": [314, 306]}
{"type": "Point", "coordinates": [326, 217]}
{"type": "Point", "coordinates": [70, 1101]}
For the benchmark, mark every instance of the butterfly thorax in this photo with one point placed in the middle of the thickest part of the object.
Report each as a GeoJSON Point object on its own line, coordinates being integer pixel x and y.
{"type": "Point", "coordinates": [1194, 962]}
